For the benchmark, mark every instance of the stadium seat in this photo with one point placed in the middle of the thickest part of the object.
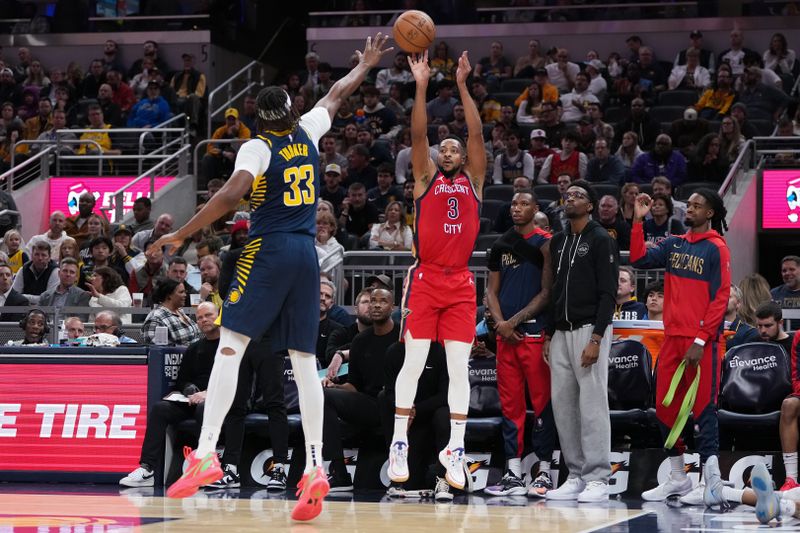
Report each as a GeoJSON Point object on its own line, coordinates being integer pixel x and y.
{"type": "Point", "coordinates": [687, 189]}
{"type": "Point", "coordinates": [666, 113]}
{"type": "Point", "coordinates": [486, 241]}
{"type": "Point", "coordinates": [755, 380]}
{"type": "Point", "coordinates": [602, 189]}
{"type": "Point", "coordinates": [515, 85]}
{"type": "Point", "coordinates": [485, 418]}
{"type": "Point", "coordinates": [547, 191]}
{"type": "Point", "coordinates": [502, 192]}
{"type": "Point", "coordinates": [764, 127]}
{"type": "Point", "coordinates": [615, 114]}
{"type": "Point", "coordinates": [491, 208]}
{"type": "Point", "coordinates": [677, 97]}
{"type": "Point", "coordinates": [630, 382]}
{"type": "Point", "coordinates": [506, 98]}
{"type": "Point", "coordinates": [486, 225]}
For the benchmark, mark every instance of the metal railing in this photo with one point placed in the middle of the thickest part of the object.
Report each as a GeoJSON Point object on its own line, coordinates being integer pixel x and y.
{"type": "Point", "coordinates": [164, 132]}
{"type": "Point", "coordinates": [11, 178]}
{"type": "Point", "coordinates": [180, 158]}
{"type": "Point", "coordinates": [206, 142]}
{"type": "Point", "coordinates": [252, 75]}
{"type": "Point", "coordinates": [743, 163]}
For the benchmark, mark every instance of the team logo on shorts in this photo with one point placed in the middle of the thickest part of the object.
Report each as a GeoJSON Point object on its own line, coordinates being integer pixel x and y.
{"type": "Point", "coordinates": [234, 296]}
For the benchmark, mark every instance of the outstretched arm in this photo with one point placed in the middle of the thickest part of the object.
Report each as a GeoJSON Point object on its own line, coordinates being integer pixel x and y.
{"type": "Point", "coordinates": [342, 89]}
{"type": "Point", "coordinates": [421, 163]}
{"type": "Point", "coordinates": [476, 155]}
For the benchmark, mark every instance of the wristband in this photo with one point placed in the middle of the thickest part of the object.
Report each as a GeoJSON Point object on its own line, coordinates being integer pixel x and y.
{"type": "Point", "coordinates": [699, 341]}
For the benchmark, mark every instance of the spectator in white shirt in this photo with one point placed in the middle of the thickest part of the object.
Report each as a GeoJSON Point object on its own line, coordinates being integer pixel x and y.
{"type": "Point", "coordinates": [597, 83]}
{"type": "Point", "coordinates": [778, 57]}
{"type": "Point", "coordinates": [53, 236]}
{"type": "Point", "coordinates": [562, 73]}
{"type": "Point", "coordinates": [393, 234]}
{"type": "Point", "coordinates": [692, 75]}
{"type": "Point", "coordinates": [574, 104]}
{"type": "Point", "coordinates": [397, 73]}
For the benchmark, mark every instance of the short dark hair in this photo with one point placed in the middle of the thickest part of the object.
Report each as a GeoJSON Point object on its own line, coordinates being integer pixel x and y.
{"type": "Point", "coordinates": [656, 286]}
{"type": "Point", "coordinates": [145, 201]}
{"type": "Point", "coordinates": [69, 261]}
{"type": "Point", "coordinates": [769, 309]}
{"type": "Point", "coordinates": [667, 200]}
{"type": "Point", "coordinates": [370, 90]}
{"type": "Point", "coordinates": [356, 186]}
{"type": "Point", "coordinates": [101, 240]}
{"type": "Point", "coordinates": [162, 288]}
{"type": "Point", "coordinates": [586, 186]}
{"type": "Point", "coordinates": [528, 190]}
{"type": "Point", "coordinates": [42, 246]}
{"type": "Point", "coordinates": [386, 168]}
{"type": "Point", "coordinates": [360, 149]}
{"type": "Point", "coordinates": [179, 260]}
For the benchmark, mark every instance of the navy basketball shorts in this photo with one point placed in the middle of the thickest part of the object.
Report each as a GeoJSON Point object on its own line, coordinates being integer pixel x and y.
{"type": "Point", "coordinates": [275, 288]}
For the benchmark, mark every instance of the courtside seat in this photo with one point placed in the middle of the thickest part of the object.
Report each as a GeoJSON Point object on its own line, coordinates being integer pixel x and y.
{"type": "Point", "coordinates": [630, 383]}
{"type": "Point", "coordinates": [502, 192]}
{"type": "Point", "coordinates": [755, 380]}
{"type": "Point", "coordinates": [485, 420]}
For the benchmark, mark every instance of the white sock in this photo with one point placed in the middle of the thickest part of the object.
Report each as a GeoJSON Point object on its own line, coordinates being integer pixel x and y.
{"type": "Point", "coordinates": [400, 428]}
{"type": "Point", "coordinates": [457, 429]}
{"type": "Point", "coordinates": [732, 495]}
{"type": "Point", "coordinates": [457, 354]}
{"type": "Point", "coordinates": [790, 464]}
{"type": "Point", "coordinates": [544, 466]}
{"type": "Point", "coordinates": [312, 404]}
{"type": "Point", "coordinates": [233, 468]}
{"type": "Point", "coordinates": [677, 467]}
{"type": "Point", "coordinates": [788, 507]}
{"type": "Point", "coordinates": [515, 465]}
{"type": "Point", "coordinates": [221, 388]}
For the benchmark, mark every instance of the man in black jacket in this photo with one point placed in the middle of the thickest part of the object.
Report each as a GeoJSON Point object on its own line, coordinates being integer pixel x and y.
{"type": "Point", "coordinates": [585, 266]}
{"type": "Point", "coordinates": [8, 296]}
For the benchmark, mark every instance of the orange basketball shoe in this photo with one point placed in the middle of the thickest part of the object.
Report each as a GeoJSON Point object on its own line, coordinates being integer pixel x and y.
{"type": "Point", "coordinates": [313, 487]}
{"type": "Point", "coordinates": [200, 472]}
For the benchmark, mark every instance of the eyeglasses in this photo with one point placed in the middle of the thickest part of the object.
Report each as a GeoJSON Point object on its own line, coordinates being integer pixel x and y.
{"type": "Point", "coordinates": [101, 327]}
{"type": "Point", "coordinates": [576, 195]}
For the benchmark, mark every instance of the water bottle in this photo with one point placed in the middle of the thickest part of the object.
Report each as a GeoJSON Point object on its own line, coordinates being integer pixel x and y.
{"type": "Point", "coordinates": [361, 116]}
{"type": "Point", "coordinates": [62, 333]}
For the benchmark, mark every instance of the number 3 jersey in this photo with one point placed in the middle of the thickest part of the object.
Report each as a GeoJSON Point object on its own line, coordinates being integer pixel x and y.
{"type": "Point", "coordinates": [447, 222]}
{"type": "Point", "coordinates": [284, 193]}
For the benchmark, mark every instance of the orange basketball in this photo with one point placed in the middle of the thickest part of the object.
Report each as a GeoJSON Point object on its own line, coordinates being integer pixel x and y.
{"type": "Point", "coordinates": [414, 31]}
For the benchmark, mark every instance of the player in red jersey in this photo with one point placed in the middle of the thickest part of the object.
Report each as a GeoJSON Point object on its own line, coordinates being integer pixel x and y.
{"type": "Point", "coordinates": [440, 301]}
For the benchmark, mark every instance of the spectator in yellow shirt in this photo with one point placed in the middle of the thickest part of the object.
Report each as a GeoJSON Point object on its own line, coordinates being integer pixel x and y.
{"type": "Point", "coordinates": [716, 101]}
{"type": "Point", "coordinates": [220, 157]}
{"type": "Point", "coordinates": [96, 122]}
{"type": "Point", "coordinates": [190, 87]}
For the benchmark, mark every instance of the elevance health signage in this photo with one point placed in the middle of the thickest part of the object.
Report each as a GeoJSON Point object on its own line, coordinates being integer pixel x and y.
{"type": "Point", "coordinates": [65, 191]}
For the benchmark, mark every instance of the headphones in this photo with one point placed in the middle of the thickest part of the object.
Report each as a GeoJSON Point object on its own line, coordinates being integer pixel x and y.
{"type": "Point", "coordinates": [23, 323]}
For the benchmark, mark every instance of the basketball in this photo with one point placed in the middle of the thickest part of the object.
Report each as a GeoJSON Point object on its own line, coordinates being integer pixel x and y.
{"type": "Point", "coordinates": [414, 31]}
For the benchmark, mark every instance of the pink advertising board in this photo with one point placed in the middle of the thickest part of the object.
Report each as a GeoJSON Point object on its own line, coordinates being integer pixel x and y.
{"type": "Point", "coordinates": [64, 192]}
{"type": "Point", "coordinates": [780, 199]}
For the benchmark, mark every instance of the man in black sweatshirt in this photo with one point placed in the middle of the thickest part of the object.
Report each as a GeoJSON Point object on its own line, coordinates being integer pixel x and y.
{"type": "Point", "coordinates": [585, 265]}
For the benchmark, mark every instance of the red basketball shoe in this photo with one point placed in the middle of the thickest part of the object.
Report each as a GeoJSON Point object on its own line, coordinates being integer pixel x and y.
{"type": "Point", "coordinates": [313, 487]}
{"type": "Point", "coordinates": [199, 473]}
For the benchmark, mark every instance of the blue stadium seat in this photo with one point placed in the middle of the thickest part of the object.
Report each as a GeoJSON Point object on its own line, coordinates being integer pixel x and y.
{"type": "Point", "coordinates": [491, 208]}
{"type": "Point", "coordinates": [547, 191]}
{"type": "Point", "coordinates": [502, 192]}
{"type": "Point", "coordinates": [630, 383]}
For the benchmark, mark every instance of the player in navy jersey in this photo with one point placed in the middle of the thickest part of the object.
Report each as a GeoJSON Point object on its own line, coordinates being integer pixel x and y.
{"type": "Point", "coordinates": [439, 301]}
{"type": "Point", "coordinates": [520, 278]}
{"type": "Point", "coordinates": [276, 283]}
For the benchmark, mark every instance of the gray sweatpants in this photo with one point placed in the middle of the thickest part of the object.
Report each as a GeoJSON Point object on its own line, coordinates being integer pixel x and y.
{"type": "Point", "coordinates": [580, 404]}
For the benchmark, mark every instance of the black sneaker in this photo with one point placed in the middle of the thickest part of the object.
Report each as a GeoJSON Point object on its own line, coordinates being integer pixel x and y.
{"type": "Point", "coordinates": [540, 485]}
{"type": "Point", "coordinates": [229, 479]}
{"type": "Point", "coordinates": [510, 485]}
{"type": "Point", "coordinates": [277, 479]}
{"type": "Point", "coordinates": [340, 482]}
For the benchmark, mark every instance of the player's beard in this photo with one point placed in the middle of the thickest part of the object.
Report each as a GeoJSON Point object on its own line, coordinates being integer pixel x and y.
{"type": "Point", "coordinates": [451, 173]}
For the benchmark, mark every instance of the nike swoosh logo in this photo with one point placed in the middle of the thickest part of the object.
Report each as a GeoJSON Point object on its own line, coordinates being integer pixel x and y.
{"type": "Point", "coordinates": [148, 477]}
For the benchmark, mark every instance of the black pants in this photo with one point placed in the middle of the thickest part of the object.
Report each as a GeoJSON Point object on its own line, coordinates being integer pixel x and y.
{"type": "Point", "coordinates": [355, 408]}
{"type": "Point", "coordinates": [162, 415]}
{"type": "Point", "coordinates": [213, 166]}
{"type": "Point", "coordinates": [428, 434]}
{"type": "Point", "coordinates": [267, 368]}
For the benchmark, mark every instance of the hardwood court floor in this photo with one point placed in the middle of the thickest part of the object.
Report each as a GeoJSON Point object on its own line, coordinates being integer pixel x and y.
{"type": "Point", "coordinates": [95, 509]}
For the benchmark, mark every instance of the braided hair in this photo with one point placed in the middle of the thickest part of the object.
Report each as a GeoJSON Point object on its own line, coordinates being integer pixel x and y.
{"type": "Point", "coordinates": [714, 200]}
{"type": "Point", "coordinates": [275, 110]}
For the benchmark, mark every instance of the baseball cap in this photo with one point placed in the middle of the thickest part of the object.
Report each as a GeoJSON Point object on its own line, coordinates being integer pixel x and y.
{"type": "Point", "coordinates": [595, 63]}
{"type": "Point", "coordinates": [695, 34]}
{"type": "Point", "coordinates": [231, 112]}
{"type": "Point", "coordinates": [538, 134]}
{"type": "Point", "coordinates": [153, 83]}
{"type": "Point", "coordinates": [383, 279]}
{"type": "Point", "coordinates": [123, 228]}
{"type": "Point", "coordinates": [540, 72]}
{"type": "Point", "coordinates": [239, 215]}
{"type": "Point", "coordinates": [187, 55]}
{"type": "Point", "coordinates": [7, 71]}
{"type": "Point", "coordinates": [690, 114]}
{"type": "Point", "coordinates": [334, 168]}
{"type": "Point", "coordinates": [584, 120]}
{"type": "Point", "coordinates": [240, 225]}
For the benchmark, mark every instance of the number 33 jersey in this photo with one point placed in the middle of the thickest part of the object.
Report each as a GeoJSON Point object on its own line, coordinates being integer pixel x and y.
{"type": "Point", "coordinates": [447, 222]}
{"type": "Point", "coordinates": [284, 164]}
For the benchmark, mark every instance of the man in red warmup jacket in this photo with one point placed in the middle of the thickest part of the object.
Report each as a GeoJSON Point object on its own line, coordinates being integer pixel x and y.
{"type": "Point", "coordinates": [696, 289]}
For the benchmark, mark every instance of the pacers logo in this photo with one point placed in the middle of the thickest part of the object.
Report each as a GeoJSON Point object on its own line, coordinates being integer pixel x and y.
{"type": "Point", "coordinates": [234, 297]}
{"type": "Point", "coordinates": [620, 466]}
{"type": "Point", "coordinates": [692, 468]}
{"type": "Point", "coordinates": [477, 466]}
{"type": "Point", "coordinates": [530, 466]}
{"type": "Point", "coordinates": [741, 469]}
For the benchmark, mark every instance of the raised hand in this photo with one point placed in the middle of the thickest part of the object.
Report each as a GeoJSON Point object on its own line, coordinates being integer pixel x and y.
{"type": "Point", "coordinates": [373, 50]}
{"type": "Point", "coordinates": [641, 206]}
{"type": "Point", "coordinates": [464, 68]}
{"type": "Point", "coordinates": [418, 63]}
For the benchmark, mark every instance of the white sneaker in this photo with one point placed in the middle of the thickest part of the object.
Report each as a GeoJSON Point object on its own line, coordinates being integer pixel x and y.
{"type": "Point", "coordinates": [442, 491]}
{"type": "Point", "coordinates": [570, 490]}
{"type": "Point", "coordinates": [671, 487]}
{"type": "Point", "coordinates": [453, 462]}
{"type": "Point", "coordinates": [595, 491]}
{"type": "Point", "coordinates": [398, 462]}
{"type": "Point", "coordinates": [695, 496]}
{"type": "Point", "coordinates": [141, 477]}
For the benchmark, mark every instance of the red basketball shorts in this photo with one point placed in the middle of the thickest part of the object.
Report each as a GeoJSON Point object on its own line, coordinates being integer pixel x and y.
{"type": "Point", "coordinates": [439, 304]}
